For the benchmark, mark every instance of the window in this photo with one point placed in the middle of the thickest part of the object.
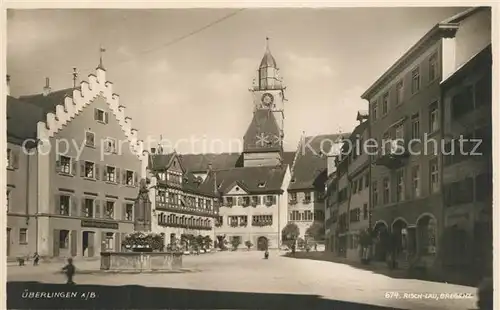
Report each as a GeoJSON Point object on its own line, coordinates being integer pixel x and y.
{"type": "Point", "coordinates": [89, 170]}
{"type": "Point", "coordinates": [415, 126]}
{"type": "Point", "coordinates": [400, 191]}
{"type": "Point", "coordinates": [433, 67]}
{"type": "Point", "coordinates": [129, 177]}
{"type": "Point", "coordinates": [293, 197]}
{"type": "Point", "coordinates": [399, 92]}
{"type": "Point", "coordinates": [415, 177]}
{"type": "Point", "coordinates": [110, 174]}
{"type": "Point", "coordinates": [308, 216]}
{"type": "Point", "coordinates": [400, 132]}
{"type": "Point", "coordinates": [354, 186]}
{"type": "Point", "coordinates": [9, 158]}
{"type": "Point", "coordinates": [270, 200]}
{"type": "Point", "coordinates": [109, 241]}
{"type": "Point", "coordinates": [319, 215]}
{"type": "Point", "coordinates": [232, 221]}
{"type": "Point", "coordinates": [374, 110]}
{"type": "Point", "coordinates": [354, 215]}
{"type": "Point", "coordinates": [128, 211]}
{"type": "Point", "coordinates": [385, 103]}
{"type": "Point", "coordinates": [65, 164]}
{"type": "Point", "coordinates": [161, 195]}
{"type": "Point", "coordinates": [88, 207]}
{"type": "Point", "coordinates": [262, 220]}
{"type": "Point", "coordinates": [89, 138]}
{"type": "Point", "coordinates": [307, 197]}
{"type": "Point", "coordinates": [208, 204]}
{"type": "Point", "coordinates": [365, 211]}
{"type": "Point", "coordinates": [64, 201]}
{"type": "Point", "coordinates": [415, 80]}
{"type": "Point", "coordinates": [243, 220]}
{"type": "Point", "coordinates": [433, 117]}
{"type": "Point", "coordinates": [262, 184]}
{"type": "Point", "coordinates": [8, 199]}
{"type": "Point", "coordinates": [100, 116]}
{"type": "Point", "coordinates": [229, 201]}
{"type": "Point", "coordinates": [110, 145]}
{"type": "Point", "coordinates": [387, 190]}
{"type": "Point", "coordinates": [23, 236]}
{"type": "Point", "coordinates": [63, 239]}
{"type": "Point", "coordinates": [162, 176]}
{"type": "Point", "coordinates": [434, 175]}
{"type": "Point", "coordinates": [109, 212]}
{"type": "Point", "coordinates": [294, 216]}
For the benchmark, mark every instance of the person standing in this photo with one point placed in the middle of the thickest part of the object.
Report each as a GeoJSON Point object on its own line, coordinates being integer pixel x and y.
{"type": "Point", "coordinates": [70, 271]}
{"type": "Point", "coordinates": [36, 259]}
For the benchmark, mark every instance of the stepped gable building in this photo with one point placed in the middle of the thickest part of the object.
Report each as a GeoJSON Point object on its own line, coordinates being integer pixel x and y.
{"type": "Point", "coordinates": [309, 175]}
{"type": "Point", "coordinates": [74, 165]}
{"type": "Point", "coordinates": [182, 203]}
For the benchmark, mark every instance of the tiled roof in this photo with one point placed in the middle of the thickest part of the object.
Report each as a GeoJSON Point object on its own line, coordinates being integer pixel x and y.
{"type": "Point", "coordinates": [48, 103]}
{"type": "Point", "coordinates": [270, 179]}
{"type": "Point", "coordinates": [159, 161]}
{"type": "Point", "coordinates": [309, 170]}
{"type": "Point", "coordinates": [22, 119]}
{"type": "Point", "coordinates": [194, 185]}
{"type": "Point", "coordinates": [263, 133]}
{"type": "Point", "coordinates": [197, 163]}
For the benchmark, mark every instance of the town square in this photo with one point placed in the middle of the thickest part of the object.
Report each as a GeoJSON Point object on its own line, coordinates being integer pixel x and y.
{"type": "Point", "coordinates": [249, 158]}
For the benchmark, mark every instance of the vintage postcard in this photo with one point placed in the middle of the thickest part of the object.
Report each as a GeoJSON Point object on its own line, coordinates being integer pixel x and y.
{"type": "Point", "coordinates": [249, 157]}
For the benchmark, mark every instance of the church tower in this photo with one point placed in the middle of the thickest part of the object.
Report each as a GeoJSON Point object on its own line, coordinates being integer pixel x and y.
{"type": "Point", "coordinates": [263, 141]}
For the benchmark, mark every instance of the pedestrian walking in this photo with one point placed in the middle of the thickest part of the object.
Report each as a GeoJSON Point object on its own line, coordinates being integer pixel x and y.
{"type": "Point", "coordinates": [36, 259]}
{"type": "Point", "coordinates": [70, 271]}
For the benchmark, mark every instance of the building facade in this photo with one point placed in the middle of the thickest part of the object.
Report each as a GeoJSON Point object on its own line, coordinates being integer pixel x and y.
{"type": "Point", "coordinates": [78, 195]}
{"type": "Point", "coordinates": [306, 192]}
{"type": "Point", "coordinates": [405, 117]}
{"type": "Point", "coordinates": [182, 205]}
{"type": "Point", "coordinates": [467, 173]}
{"type": "Point", "coordinates": [358, 174]}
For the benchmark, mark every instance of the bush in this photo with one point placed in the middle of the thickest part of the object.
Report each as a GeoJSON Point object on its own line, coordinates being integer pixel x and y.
{"type": "Point", "coordinates": [248, 244]}
{"type": "Point", "coordinates": [235, 242]}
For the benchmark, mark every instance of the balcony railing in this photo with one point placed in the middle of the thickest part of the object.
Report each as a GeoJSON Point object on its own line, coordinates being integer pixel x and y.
{"type": "Point", "coordinates": [393, 153]}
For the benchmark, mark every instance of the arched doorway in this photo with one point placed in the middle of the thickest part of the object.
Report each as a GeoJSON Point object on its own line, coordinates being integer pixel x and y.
{"type": "Point", "coordinates": [380, 234]}
{"type": "Point", "coordinates": [426, 234]}
{"type": "Point", "coordinates": [262, 243]}
{"type": "Point", "coordinates": [399, 236]}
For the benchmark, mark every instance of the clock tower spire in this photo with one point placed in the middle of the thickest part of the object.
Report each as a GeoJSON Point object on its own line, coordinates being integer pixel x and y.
{"type": "Point", "coordinates": [268, 90]}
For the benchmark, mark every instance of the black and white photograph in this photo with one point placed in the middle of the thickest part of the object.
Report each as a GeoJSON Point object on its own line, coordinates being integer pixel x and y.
{"type": "Point", "coordinates": [250, 156]}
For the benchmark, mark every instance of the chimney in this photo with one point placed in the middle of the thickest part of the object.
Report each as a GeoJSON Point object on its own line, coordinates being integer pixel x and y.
{"type": "Point", "coordinates": [46, 89]}
{"type": "Point", "coordinates": [8, 85]}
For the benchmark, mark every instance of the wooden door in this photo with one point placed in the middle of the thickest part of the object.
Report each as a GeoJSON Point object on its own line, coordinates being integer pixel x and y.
{"type": "Point", "coordinates": [56, 239]}
{"type": "Point", "coordinates": [73, 243]}
{"type": "Point", "coordinates": [91, 243]}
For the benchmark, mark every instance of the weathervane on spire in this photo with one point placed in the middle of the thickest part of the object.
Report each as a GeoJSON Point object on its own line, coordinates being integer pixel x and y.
{"type": "Point", "coordinates": [75, 77]}
{"type": "Point", "coordinates": [101, 51]}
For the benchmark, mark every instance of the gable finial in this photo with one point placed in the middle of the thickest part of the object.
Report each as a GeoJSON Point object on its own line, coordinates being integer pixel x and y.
{"type": "Point", "coordinates": [101, 51]}
{"type": "Point", "coordinates": [75, 77]}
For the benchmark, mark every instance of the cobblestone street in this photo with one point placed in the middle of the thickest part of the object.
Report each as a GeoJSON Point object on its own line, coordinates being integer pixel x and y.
{"type": "Point", "coordinates": [248, 272]}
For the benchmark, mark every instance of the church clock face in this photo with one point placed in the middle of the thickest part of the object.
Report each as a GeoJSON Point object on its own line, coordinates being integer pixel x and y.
{"type": "Point", "coordinates": [267, 99]}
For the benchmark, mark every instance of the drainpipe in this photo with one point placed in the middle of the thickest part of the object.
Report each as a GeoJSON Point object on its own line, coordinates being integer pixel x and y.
{"type": "Point", "coordinates": [27, 188]}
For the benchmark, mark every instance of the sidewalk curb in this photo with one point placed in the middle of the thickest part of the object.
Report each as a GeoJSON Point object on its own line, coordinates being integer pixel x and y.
{"type": "Point", "coordinates": [99, 271]}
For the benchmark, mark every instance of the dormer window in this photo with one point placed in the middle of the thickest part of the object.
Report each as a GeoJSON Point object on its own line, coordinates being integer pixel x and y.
{"type": "Point", "coordinates": [292, 181]}
{"type": "Point", "coordinates": [262, 184]}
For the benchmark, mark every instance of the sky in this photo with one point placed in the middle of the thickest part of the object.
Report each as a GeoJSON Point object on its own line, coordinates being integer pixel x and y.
{"type": "Point", "coordinates": [184, 74]}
